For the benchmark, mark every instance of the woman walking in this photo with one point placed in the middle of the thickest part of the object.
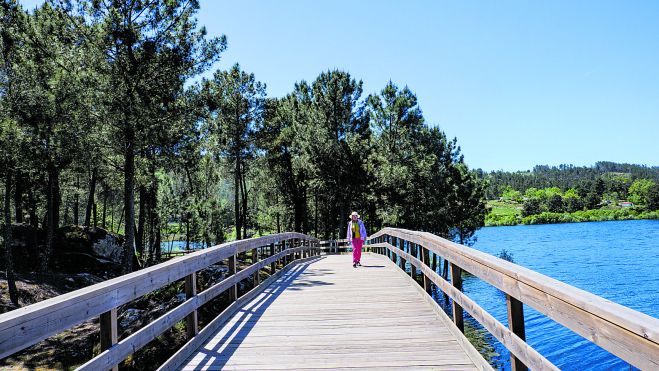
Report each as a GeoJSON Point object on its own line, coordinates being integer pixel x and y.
{"type": "Point", "coordinates": [356, 237]}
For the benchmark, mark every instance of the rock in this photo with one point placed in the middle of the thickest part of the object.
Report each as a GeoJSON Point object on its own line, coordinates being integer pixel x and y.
{"type": "Point", "coordinates": [179, 298]}
{"type": "Point", "coordinates": [27, 241]}
{"type": "Point", "coordinates": [130, 316]}
{"type": "Point", "coordinates": [90, 240]}
{"type": "Point", "coordinates": [213, 274]}
{"type": "Point", "coordinates": [76, 249]}
{"type": "Point", "coordinates": [109, 247]}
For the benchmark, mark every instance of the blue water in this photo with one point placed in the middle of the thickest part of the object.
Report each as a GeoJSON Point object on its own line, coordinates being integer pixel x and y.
{"type": "Point", "coordinates": [180, 245]}
{"type": "Point", "coordinates": [617, 260]}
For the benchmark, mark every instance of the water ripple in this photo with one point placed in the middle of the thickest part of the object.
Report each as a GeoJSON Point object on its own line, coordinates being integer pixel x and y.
{"type": "Point", "coordinates": [602, 258]}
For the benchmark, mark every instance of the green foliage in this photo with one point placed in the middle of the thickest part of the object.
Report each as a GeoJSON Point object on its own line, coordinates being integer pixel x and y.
{"type": "Point", "coordinates": [100, 113]}
{"type": "Point", "coordinates": [616, 178]}
{"type": "Point", "coordinates": [511, 194]}
{"type": "Point", "coordinates": [588, 216]}
{"type": "Point", "coordinates": [506, 255]}
{"type": "Point", "coordinates": [640, 192]}
{"type": "Point", "coordinates": [532, 206]}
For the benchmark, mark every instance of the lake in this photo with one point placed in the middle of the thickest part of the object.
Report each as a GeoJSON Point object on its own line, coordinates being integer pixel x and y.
{"type": "Point", "coordinates": [617, 260]}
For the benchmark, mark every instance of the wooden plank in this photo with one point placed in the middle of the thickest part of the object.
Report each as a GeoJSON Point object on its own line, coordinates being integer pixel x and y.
{"type": "Point", "coordinates": [108, 332]}
{"type": "Point", "coordinates": [279, 327]}
{"type": "Point", "coordinates": [191, 323]}
{"type": "Point", "coordinates": [516, 325]}
{"type": "Point", "coordinates": [233, 292]}
{"type": "Point", "coordinates": [124, 348]}
{"type": "Point", "coordinates": [175, 360]}
{"type": "Point", "coordinates": [456, 281]}
{"type": "Point", "coordinates": [512, 342]}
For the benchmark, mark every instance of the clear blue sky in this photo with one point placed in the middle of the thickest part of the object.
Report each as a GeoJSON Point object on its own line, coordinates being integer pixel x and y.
{"type": "Point", "coordinates": [519, 83]}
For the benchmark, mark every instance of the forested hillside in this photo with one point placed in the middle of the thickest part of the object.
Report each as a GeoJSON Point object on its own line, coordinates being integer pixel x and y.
{"type": "Point", "coordinates": [605, 191]}
{"type": "Point", "coordinates": [567, 176]}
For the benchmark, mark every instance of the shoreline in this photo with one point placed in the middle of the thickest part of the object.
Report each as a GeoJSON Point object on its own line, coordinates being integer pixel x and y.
{"type": "Point", "coordinates": [598, 215]}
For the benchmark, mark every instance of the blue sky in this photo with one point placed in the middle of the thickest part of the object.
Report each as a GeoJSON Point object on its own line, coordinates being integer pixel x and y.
{"type": "Point", "coordinates": [519, 83]}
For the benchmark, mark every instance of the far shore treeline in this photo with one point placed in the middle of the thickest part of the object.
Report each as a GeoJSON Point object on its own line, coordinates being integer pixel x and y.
{"type": "Point", "coordinates": [566, 194]}
{"type": "Point", "coordinates": [105, 122]}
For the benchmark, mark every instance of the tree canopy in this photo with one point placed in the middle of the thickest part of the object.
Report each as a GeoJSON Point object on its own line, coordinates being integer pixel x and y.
{"type": "Point", "coordinates": [106, 123]}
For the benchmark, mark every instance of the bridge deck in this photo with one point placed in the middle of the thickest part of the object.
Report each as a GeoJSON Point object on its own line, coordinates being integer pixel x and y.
{"type": "Point", "coordinates": [325, 314]}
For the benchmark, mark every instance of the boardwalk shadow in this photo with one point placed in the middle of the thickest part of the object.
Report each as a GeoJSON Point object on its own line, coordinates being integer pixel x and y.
{"type": "Point", "coordinates": [248, 316]}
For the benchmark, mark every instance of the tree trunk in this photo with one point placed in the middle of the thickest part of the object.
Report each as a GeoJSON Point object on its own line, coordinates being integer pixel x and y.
{"type": "Point", "coordinates": [154, 222]}
{"type": "Point", "coordinates": [244, 193]}
{"type": "Point", "coordinates": [18, 198]}
{"type": "Point", "coordinates": [34, 222]}
{"type": "Point", "coordinates": [121, 219]}
{"type": "Point", "coordinates": [52, 218]}
{"type": "Point", "coordinates": [95, 212]}
{"type": "Point", "coordinates": [278, 221]}
{"type": "Point", "coordinates": [187, 231]}
{"type": "Point", "coordinates": [139, 238]}
{"type": "Point", "coordinates": [105, 205]}
{"type": "Point", "coordinates": [76, 202]}
{"type": "Point", "coordinates": [315, 203]}
{"type": "Point", "coordinates": [57, 198]}
{"type": "Point", "coordinates": [236, 197]}
{"type": "Point", "coordinates": [305, 219]}
{"type": "Point", "coordinates": [90, 200]}
{"type": "Point", "coordinates": [9, 264]}
{"type": "Point", "coordinates": [129, 200]}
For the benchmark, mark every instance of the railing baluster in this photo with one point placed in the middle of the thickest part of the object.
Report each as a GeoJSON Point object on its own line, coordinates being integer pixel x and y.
{"type": "Point", "coordinates": [233, 291]}
{"type": "Point", "coordinates": [412, 248]}
{"type": "Point", "coordinates": [109, 334]}
{"type": "Point", "coordinates": [400, 243]}
{"type": "Point", "coordinates": [456, 280]}
{"type": "Point", "coordinates": [425, 256]}
{"type": "Point", "coordinates": [516, 325]}
{"type": "Point", "coordinates": [255, 260]}
{"type": "Point", "coordinates": [273, 265]}
{"type": "Point", "coordinates": [191, 323]}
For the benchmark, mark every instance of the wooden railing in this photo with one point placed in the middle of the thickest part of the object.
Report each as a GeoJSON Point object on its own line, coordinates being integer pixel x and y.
{"type": "Point", "coordinates": [626, 333]}
{"type": "Point", "coordinates": [333, 246]}
{"type": "Point", "coordinates": [26, 326]}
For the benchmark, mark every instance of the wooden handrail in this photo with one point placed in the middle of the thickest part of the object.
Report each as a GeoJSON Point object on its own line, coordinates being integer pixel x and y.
{"type": "Point", "coordinates": [626, 333]}
{"type": "Point", "coordinates": [26, 326]}
{"type": "Point", "coordinates": [333, 245]}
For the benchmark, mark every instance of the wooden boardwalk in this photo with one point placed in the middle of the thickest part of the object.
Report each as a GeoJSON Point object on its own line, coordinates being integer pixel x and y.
{"type": "Point", "coordinates": [325, 314]}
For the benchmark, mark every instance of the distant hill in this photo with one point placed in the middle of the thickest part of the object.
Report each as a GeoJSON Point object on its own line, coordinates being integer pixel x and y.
{"type": "Point", "coordinates": [565, 176]}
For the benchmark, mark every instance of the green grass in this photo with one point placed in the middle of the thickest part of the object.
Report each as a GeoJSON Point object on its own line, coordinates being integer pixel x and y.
{"type": "Point", "coordinates": [503, 213]}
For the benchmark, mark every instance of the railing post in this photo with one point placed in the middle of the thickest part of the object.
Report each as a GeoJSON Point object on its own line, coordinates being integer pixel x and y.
{"type": "Point", "coordinates": [401, 245]}
{"type": "Point", "coordinates": [109, 334]}
{"type": "Point", "coordinates": [516, 325]}
{"type": "Point", "coordinates": [425, 256]}
{"type": "Point", "coordinates": [273, 265]}
{"type": "Point", "coordinates": [255, 260]}
{"type": "Point", "coordinates": [233, 291]}
{"type": "Point", "coordinates": [456, 280]}
{"type": "Point", "coordinates": [412, 247]}
{"type": "Point", "coordinates": [191, 323]}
